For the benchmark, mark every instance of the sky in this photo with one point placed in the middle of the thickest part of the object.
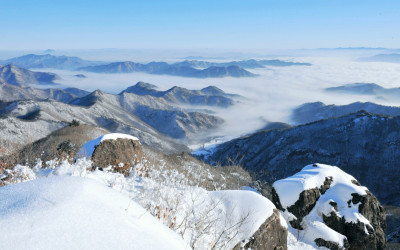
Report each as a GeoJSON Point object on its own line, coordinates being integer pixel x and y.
{"type": "Point", "coordinates": [233, 24]}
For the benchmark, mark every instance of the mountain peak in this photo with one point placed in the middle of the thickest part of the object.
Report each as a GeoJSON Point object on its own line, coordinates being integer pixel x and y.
{"type": "Point", "coordinates": [212, 90]}
{"type": "Point", "coordinates": [141, 88]}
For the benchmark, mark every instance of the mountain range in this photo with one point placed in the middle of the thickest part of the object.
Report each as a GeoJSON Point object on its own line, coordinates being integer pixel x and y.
{"type": "Point", "coordinates": [154, 116]}
{"type": "Point", "coordinates": [246, 64]}
{"type": "Point", "coordinates": [311, 112]}
{"type": "Point", "coordinates": [162, 68]}
{"type": "Point", "coordinates": [187, 68]}
{"type": "Point", "coordinates": [372, 89]}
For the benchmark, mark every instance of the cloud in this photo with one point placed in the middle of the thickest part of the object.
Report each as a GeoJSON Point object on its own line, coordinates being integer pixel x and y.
{"type": "Point", "coordinates": [270, 97]}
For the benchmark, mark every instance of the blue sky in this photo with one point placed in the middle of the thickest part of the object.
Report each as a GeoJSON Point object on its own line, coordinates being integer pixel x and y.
{"type": "Point", "coordinates": [218, 24]}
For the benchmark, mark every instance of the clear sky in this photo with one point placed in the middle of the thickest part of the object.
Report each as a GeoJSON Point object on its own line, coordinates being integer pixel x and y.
{"type": "Point", "coordinates": [219, 24]}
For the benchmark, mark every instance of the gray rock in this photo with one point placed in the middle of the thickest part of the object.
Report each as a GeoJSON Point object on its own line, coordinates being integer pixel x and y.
{"type": "Point", "coordinates": [120, 154]}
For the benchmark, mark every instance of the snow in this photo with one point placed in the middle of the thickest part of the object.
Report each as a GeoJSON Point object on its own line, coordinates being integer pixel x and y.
{"type": "Point", "coordinates": [341, 188]}
{"type": "Point", "coordinates": [313, 176]}
{"type": "Point", "coordinates": [88, 149]}
{"type": "Point", "coordinates": [77, 213]}
{"type": "Point", "coordinates": [66, 206]}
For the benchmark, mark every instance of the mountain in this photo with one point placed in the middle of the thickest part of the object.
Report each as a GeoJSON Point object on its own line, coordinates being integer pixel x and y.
{"type": "Point", "coordinates": [14, 75]}
{"type": "Point", "coordinates": [279, 63]}
{"type": "Point", "coordinates": [48, 61]}
{"type": "Point", "coordinates": [162, 68]}
{"type": "Point", "coordinates": [159, 113]}
{"type": "Point", "coordinates": [315, 111]}
{"type": "Point", "coordinates": [390, 58]}
{"type": "Point", "coordinates": [158, 121]}
{"type": "Point", "coordinates": [209, 96]}
{"type": "Point", "coordinates": [9, 93]}
{"type": "Point", "coordinates": [77, 92]}
{"type": "Point", "coordinates": [366, 89]}
{"type": "Point", "coordinates": [362, 144]}
{"type": "Point", "coordinates": [246, 64]}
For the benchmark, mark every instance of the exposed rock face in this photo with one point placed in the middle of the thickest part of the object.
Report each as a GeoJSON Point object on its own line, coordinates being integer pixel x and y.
{"type": "Point", "coordinates": [121, 154]}
{"type": "Point", "coordinates": [270, 236]}
{"type": "Point", "coordinates": [330, 208]}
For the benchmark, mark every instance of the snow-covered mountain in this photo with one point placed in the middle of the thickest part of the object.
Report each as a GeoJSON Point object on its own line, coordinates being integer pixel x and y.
{"type": "Point", "coordinates": [363, 144]}
{"type": "Point", "coordinates": [9, 93]}
{"type": "Point", "coordinates": [208, 96]}
{"type": "Point", "coordinates": [156, 117]}
{"type": "Point", "coordinates": [17, 76]}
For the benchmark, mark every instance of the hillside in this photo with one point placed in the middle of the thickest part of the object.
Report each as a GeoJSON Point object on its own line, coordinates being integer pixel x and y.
{"type": "Point", "coordinates": [363, 144]}
{"type": "Point", "coordinates": [17, 76]}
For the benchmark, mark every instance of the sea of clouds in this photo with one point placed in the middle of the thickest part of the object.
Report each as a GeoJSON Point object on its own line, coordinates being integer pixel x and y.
{"type": "Point", "coordinates": [271, 96]}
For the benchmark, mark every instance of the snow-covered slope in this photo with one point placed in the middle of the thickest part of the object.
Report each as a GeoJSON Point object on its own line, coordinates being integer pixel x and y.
{"type": "Point", "coordinates": [92, 210]}
{"type": "Point", "coordinates": [77, 213]}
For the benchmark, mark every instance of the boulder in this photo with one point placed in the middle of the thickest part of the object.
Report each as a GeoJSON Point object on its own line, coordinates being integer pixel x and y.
{"type": "Point", "coordinates": [119, 151]}
{"type": "Point", "coordinates": [329, 208]}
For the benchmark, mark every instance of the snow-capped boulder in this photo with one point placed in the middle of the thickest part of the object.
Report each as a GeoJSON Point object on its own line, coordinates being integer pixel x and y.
{"type": "Point", "coordinates": [120, 151]}
{"type": "Point", "coordinates": [327, 207]}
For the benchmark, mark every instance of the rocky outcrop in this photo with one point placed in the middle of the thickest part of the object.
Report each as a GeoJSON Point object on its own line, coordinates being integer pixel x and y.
{"type": "Point", "coordinates": [121, 154]}
{"type": "Point", "coordinates": [329, 208]}
{"type": "Point", "coordinates": [271, 235]}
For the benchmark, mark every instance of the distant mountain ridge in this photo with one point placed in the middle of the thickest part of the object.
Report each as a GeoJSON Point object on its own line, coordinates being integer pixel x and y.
{"type": "Point", "coordinates": [15, 75]}
{"type": "Point", "coordinates": [188, 68]}
{"type": "Point", "coordinates": [372, 89]}
{"type": "Point", "coordinates": [311, 112]}
{"type": "Point", "coordinates": [390, 58]}
{"type": "Point", "coordinates": [246, 64]}
{"type": "Point", "coordinates": [162, 68]}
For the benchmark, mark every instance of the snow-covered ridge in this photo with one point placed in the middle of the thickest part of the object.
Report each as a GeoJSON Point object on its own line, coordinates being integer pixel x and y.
{"type": "Point", "coordinates": [88, 149]}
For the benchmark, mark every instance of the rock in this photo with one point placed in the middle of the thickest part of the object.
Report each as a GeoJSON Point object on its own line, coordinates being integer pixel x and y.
{"type": "Point", "coordinates": [270, 236]}
{"type": "Point", "coordinates": [119, 151]}
{"type": "Point", "coordinates": [329, 208]}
